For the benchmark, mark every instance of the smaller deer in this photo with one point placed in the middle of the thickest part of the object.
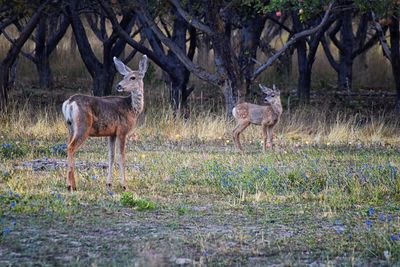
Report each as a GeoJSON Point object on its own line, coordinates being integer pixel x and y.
{"type": "Point", "coordinates": [112, 116]}
{"type": "Point", "coordinates": [267, 116]}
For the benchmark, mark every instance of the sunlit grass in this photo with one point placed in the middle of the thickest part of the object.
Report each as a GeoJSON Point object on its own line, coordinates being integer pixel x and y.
{"type": "Point", "coordinates": [302, 127]}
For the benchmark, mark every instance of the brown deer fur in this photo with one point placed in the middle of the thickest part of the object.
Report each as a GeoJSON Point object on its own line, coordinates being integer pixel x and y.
{"type": "Point", "coordinates": [112, 116]}
{"type": "Point", "coordinates": [267, 116]}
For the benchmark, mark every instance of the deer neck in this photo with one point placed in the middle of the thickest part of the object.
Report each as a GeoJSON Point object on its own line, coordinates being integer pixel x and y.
{"type": "Point", "coordinates": [137, 100]}
{"type": "Point", "coordinates": [277, 107]}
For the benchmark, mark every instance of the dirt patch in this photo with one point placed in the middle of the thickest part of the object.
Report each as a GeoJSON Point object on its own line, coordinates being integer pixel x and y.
{"type": "Point", "coordinates": [48, 164]}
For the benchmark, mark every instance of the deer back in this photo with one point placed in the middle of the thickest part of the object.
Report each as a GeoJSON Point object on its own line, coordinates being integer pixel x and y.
{"type": "Point", "coordinates": [104, 116]}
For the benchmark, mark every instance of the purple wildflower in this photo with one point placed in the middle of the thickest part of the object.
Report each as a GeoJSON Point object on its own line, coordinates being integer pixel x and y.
{"type": "Point", "coordinates": [6, 230]}
{"type": "Point", "coordinates": [371, 211]}
{"type": "Point", "coordinates": [394, 237]}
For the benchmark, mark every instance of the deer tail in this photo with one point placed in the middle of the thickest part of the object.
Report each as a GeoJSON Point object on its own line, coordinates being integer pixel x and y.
{"type": "Point", "coordinates": [70, 110]}
{"type": "Point", "coordinates": [234, 112]}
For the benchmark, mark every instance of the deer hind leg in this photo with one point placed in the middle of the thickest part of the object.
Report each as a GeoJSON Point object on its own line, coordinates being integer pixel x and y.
{"type": "Point", "coordinates": [111, 154]}
{"type": "Point", "coordinates": [121, 159]}
{"type": "Point", "coordinates": [79, 132]}
{"type": "Point", "coordinates": [236, 133]}
{"type": "Point", "coordinates": [74, 144]}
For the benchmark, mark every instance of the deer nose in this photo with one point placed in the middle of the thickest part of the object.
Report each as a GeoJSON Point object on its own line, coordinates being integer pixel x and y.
{"type": "Point", "coordinates": [119, 87]}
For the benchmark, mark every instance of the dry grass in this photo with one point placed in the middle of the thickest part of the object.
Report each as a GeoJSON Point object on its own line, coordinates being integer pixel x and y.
{"type": "Point", "coordinates": [309, 126]}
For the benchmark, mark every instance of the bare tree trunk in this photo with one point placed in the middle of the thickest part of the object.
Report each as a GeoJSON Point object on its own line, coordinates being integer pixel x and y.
{"type": "Point", "coordinates": [42, 55]}
{"type": "Point", "coordinates": [230, 103]}
{"type": "Point", "coordinates": [249, 43]}
{"type": "Point", "coordinates": [395, 57]}
{"type": "Point", "coordinates": [345, 75]}
{"type": "Point", "coordinates": [102, 82]}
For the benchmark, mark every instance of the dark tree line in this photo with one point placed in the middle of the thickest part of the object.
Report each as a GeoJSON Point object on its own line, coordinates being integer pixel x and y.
{"type": "Point", "coordinates": [172, 32]}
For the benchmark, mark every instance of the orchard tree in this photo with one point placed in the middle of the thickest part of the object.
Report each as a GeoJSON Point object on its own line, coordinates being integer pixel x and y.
{"type": "Point", "coordinates": [33, 11]}
{"type": "Point", "coordinates": [385, 16]}
{"type": "Point", "coordinates": [350, 45]}
{"type": "Point", "coordinates": [217, 20]}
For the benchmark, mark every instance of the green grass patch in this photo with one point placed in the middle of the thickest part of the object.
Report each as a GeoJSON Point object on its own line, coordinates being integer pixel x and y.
{"type": "Point", "coordinates": [129, 200]}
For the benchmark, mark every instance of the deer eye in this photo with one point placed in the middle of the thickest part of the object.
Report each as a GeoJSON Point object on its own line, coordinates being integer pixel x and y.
{"type": "Point", "coordinates": [132, 78]}
{"type": "Point", "coordinates": [272, 95]}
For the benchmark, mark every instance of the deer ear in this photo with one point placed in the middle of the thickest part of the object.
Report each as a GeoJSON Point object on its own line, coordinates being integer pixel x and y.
{"type": "Point", "coordinates": [263, 88]}
{"type": "Point", "coordinates": [143, 64]}
{"type": "Point", "coordinates": [275, 88]}
{"type": "Point", "coordinates": [121, 67]}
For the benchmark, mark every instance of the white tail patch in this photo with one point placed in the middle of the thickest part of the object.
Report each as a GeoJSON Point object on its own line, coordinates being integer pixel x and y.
{"type": "Point", "coordinates": [234, 112]}
{"type": "Point", "coordinates": [70, 111]}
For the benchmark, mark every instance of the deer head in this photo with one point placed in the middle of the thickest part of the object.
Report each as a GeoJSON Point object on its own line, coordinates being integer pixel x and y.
{"type": "Point", "coordinates": [272, 95]}
{"type": "Point", "coordinates": [133, 79]}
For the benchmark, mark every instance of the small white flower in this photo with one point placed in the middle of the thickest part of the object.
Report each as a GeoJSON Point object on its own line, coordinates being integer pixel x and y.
{"type": "Point", "coordinates": [387, 255]}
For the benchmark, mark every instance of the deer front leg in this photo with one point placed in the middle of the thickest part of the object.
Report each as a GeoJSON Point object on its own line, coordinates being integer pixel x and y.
{"type": "Point", "coordinates": [267, 132]}
{"type": "Point", "coordinates": [236, 134]}
{"type": "Point", "coordinates": [111, 154]}
{"type": "Point", "coordinates": [121, 160]}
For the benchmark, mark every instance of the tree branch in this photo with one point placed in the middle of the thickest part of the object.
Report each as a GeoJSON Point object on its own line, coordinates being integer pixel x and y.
{"type": "Point", "coordinates": [123, 34]}
{"type": "Point", "coordinates": [332, 35]}
{"type": "Point", "coordinates": [165, 26]}
{"type": "Point", "coordinates": [280, 23]}
{"type": "Point", "coordinates": [8, 21]}
{"type": "Point", "coordinates": [89, 58]}
{"type": "Point", "coordinates": [370, 43]}
{"type": "Point", "coordinates": [382, 39]}
{"type": "Point", "coordinates": [58, 35]}
{"type": "Point", "coordinates": [191, 19]}
{"type": "Point", "coordinates": [93, 23]}
{"type": "Point", "coordinates": [13, 42]}
{"type": "Point", "coordinates": [133, 53]}
{"type": "Point", "coordinates": [328, 54]}
{"type": "Point", "coordinates": [181, 55]}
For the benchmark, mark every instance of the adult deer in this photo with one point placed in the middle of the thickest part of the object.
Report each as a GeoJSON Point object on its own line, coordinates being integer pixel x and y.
{"type": "Point", "coordinates": [267, 116]}
{"type": "Point", "coordinates": [112, 116]}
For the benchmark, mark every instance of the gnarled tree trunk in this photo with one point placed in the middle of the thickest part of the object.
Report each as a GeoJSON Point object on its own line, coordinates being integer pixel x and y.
{"type": "Point", "coordinates": [345, 75]}
{"type": "Point", "coordinates": [395, 56]}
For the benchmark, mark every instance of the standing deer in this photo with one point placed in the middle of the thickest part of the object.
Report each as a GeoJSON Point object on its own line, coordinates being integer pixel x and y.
{"type": "Point", "coordinates": [267, 116]}
{"type": "Point", "coordinates": [112, 116]}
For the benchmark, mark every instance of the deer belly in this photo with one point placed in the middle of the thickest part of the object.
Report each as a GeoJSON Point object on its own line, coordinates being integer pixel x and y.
{"type": "Point", "coordinates": [103, 129]}
{"type": "Point", "coordinates": [255, 119]}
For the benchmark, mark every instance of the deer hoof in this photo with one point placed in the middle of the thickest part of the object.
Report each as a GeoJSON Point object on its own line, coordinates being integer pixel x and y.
{"type": "Point", "coordinates": [70, 188]}
{"type": "Point", "coordinates": [124, 187]}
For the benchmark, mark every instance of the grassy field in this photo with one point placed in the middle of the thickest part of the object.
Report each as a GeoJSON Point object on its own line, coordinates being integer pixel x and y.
{"type": "Point", "coordinates": [327, 193]}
